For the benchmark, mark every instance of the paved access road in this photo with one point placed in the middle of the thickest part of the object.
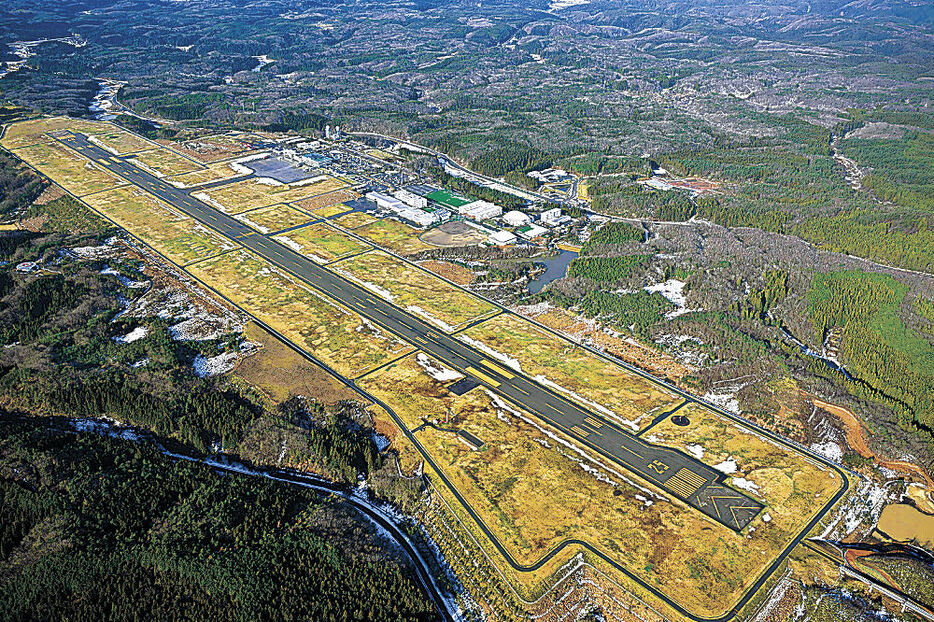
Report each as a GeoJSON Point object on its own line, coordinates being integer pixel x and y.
{"type": "Point", "coordinates": [681, 475]}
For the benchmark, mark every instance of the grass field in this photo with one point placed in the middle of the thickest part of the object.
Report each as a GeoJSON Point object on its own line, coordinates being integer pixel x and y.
{"type": "Point", "coordinates": [71, 171]}
{"type": "Point", "coordinates": [331, 210]}
{"type": "Point", "coordinates": [334, 335]}
{"type": "Point", "coordinates": [417, 291]}
{"type": "Point", "coordinates": [606, 388]}
{"type": "Point", "coordinates": [33, 131]}
{"type": "Point", "coordinates": [532, 490]}
{"type": "Point", "coordinates": [116, 139]}
{"type": "Point", "coordinates": [355, 219]}
{"type": "Point", "coordinates": [392, 234]}
{"type": "Point", "coordinates": [164, 163]}
{"type": "Point", "coordinates": [175, 235]}
{"type": "Point", "coordinates": [250, 193]}
{"type": "Point", "coordinates": [321, 243]}
{"type": "Point", "coordinates": [214, 172]}
{"type": "Point", "coordinates": [273, 218]}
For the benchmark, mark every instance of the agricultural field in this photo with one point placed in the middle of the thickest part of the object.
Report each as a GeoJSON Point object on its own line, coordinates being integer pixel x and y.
{"type": "Point", "coordinates": [534, 489]}
{"type": "Point", "coordinates": [177, 236]}
{"type": "Point", "coordinates": [394, 235]}
{"type": "Point", "coordinates": [354, 220]}
{"type": "Point", "coordinates": [321, 243]}
{"type": "Point", "coordinates": [328, 331]}
{"type": "Point", "coordinates": [251, 193]}
{"type": "Point", "coordinates": [273, 218]}
{"type": "Point", "coordinates": [214, 172]}
{"type": "Point", "coordinates": [34, 131]}
{"type": "Point", "coordinates": [418, 292]}
{"type": "Point", "coordinates": [164, 163]}
{"type": "Point", "coordinates": [592, 381]}
{"type": "Point", "coordinates": [329, 198]}
{"type": "Point", "coordinates": [71, 171]}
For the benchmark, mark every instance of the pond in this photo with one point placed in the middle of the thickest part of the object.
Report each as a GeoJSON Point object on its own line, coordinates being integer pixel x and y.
{"type": "Point", "coordinates": [555, 268]}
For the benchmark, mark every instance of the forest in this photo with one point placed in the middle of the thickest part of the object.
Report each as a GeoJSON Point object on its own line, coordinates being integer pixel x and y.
{"type": "Point", "coordinates": [94, 526]}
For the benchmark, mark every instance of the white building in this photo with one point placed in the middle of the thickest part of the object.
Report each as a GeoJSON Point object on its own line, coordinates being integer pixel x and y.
{"type": "Point", "coordinates": [532, 231]}
{"type": "Point", "coordinates": [480, 210]}
{"type": "Point", "coordinates": [413, 215]}
{"type": "Point", "coordinates": [516, 218]}
{"type": "Point", "coordinates": [411, 199]}
{"type": "Point", "coordinates": [502, 238]}
{"type": "Point", "coordinates": [550, 217]}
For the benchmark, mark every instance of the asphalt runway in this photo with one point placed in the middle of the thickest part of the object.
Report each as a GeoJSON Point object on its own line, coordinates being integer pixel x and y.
{"type": "Point", "coordinates": [681, 475]}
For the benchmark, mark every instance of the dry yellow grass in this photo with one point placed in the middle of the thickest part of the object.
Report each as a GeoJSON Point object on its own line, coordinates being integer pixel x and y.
{"type": "Point", "coordinates": [605, 387]}
{"type": "Point", "coordinates": [329, 198]}
{"type": "Point", "coordinates": [163, 162]}
{"type": "Point", "coordinates": [415, 290]}
{"type": "Point", "coordinates": [250, 193]}
{"type": "Point", "coordinates": [214, 172]}
{"type": "Point", "coordinates": [280, 372]}
{"type": "Point", "coordinates": [450, 271]}
{"type": "Point", "coordinates": [34, 131]}
{"type": "Point", "coordinates": [394, 235]}
{"type": "Point", "coordinates": [273, 218]}
{"type": "Point", "coordinates": [331, 210]}
{"type": "Point", "coordinates": [116, 139]}
{"type": "Point", "coordinates": [209, 149]}
{"type": "Point", "coordinates": [321, 242]}
{"type": "Point", "coordinates": [354, 220]}
{"type": "Point", "coordinates": [532, 492]}
{"type": "Point", "coordinates": [175, 235]}
{"type": "Point", "coordinates": [328, 331]}
{"type": "Point", "coordinates": [73, 172]}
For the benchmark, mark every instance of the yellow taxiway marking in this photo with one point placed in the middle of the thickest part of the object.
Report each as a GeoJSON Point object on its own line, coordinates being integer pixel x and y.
{"type": "Point", "coordinates": [499, 370]}
{"type": "Point", "coordinates": [115, 160]}
{"type": "Point", "coordinates": [593, 422]}
{"type": "Point", "coordinates": [520, 390]}
{"type": "Point", "coordinates": [482, 376]}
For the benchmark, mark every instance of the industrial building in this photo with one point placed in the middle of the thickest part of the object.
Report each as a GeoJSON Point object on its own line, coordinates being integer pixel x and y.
{"type": "Point", "coordinates": [553, 217]}
{"type": "Point", "coordinates": [411, 199]}
{"type": "Point", "coordinates": [530, 232]}
{"type": "Point", "coordinates": [400, 209]}
{"type": "Point", "coordinates": [480, 210]}
{"type": "Point", "coordinates": [502, 238]}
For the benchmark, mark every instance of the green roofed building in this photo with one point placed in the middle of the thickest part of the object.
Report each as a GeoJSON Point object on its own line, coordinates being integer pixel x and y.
{"type": "Point", "coordinates": [449, 199]}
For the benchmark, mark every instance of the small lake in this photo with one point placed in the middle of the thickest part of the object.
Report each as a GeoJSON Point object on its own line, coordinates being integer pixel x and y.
{"type": "Point", "coordinates": [555, 268]}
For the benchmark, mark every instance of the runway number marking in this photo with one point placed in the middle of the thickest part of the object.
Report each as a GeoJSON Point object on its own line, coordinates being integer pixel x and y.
{"type": "Point", "coordinates": [658, 466]}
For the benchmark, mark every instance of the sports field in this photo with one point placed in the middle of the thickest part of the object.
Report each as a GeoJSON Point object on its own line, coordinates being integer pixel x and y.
{"type": "Point", "coordinates": [448, 198]}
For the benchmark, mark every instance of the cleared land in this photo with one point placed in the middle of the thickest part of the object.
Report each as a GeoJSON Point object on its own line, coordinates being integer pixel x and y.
{"type": "Point", "coordinates": [69, 170]}
{"type": "Point", "coordinates": [533, 490]}
{"type": "Point", "coordinates": [164, 163]}
{"type": "Point", "coordinates": [321, 243]}
{"type": "Point", "coordinates": [273, 218]}
{"type": "Point", "coordinates": [209, 149]}
{"type": "Point", "coordinates": [177, 236]}
{"type": "Point", "coordinates": [392, 234]}
{"type": "Point", "coordinates": [333, 334]}
{"type": "Point", "coordinates": [592, 381]}
{"type": "Point", "coordinates": [115, 139]}
{"type": "Point", "coordinates": [214, 172]}
{"type": "Point", "coordinates": [416, 291]}
{"type": "Point", "coordinates": [329, 198]}
{"type": "Point", "coordinates": [250, 193]}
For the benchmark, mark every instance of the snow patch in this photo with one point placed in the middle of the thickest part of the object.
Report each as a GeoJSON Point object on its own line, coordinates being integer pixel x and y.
{"type": "Point", "coordinates": [508, 360]}
{"type": "Point", "coordinates": [745, 484]}
{"type": "Point", "coordinates": [726, 401]}
{"type": "Point", "coordinates": [438, 372]}
{"type": "Point", "coordinates": [828, 449]}
{"type": "Point", "coordinates": [694, 450]}
{"type": "Point", "coordinates": [728, 466]}
{"type": "Point", "coordinates": [134, 335]}
{"type": "Point", "coordinates": [206, 367]}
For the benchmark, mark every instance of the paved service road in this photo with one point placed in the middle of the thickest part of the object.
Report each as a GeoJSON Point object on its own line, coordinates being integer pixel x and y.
{"type": "Point", "coordinates": [681, 475]}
